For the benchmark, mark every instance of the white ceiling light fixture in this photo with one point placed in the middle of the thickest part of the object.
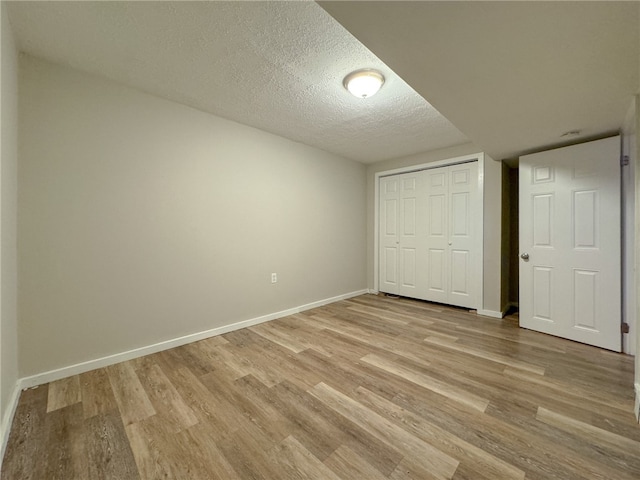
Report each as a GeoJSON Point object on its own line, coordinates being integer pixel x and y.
{"type": "Point", "coordinates": [364, 83]}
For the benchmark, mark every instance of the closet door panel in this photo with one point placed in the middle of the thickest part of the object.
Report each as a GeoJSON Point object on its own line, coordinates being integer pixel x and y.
{"type": "Point", "coordinates": [436, 235]}
{"type": "Point", "coordinates": [463, 250]}
{"type": "Point", "coordinates": [411, 244]}
{"type": "Point", "coordinates": [459, 272]}
{"type": "Point", "coordinates": [408, 269]}
{"type": "Point", "coordinates": [437, 267]}
{"type": "Point", "coordinates": [389, 209]}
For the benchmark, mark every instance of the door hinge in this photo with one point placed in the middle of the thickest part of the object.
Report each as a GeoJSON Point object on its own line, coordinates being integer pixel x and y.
{"type": "Point", "coordinates": [624, 327]}
{"type": "Point", "coordinates": [624, 161]}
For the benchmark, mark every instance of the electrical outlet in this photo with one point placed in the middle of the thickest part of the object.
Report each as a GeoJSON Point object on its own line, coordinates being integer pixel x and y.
{"type": "Point", "coordinates": [274, 278]}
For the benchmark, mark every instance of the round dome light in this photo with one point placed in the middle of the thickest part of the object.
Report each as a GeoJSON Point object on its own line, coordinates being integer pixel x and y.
{"type": "Point", "coordinates": [363, 83]}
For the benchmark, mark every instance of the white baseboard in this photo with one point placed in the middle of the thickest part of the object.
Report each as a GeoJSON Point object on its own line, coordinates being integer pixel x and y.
{"type": "Point", "coordinates": [490, 313]}
{"type": "Point", "coordinates": [52, 375]}
{"type": "Point", "coordinates": [636, 409]}
{"type": "Point", "coordinates": [7, 420]}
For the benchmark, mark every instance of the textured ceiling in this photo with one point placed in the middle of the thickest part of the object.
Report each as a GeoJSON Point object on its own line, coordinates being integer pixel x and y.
{"type": "Point", "coordinates": [514, 76]}
{"type": "Point", "coordinates": [276, 66]}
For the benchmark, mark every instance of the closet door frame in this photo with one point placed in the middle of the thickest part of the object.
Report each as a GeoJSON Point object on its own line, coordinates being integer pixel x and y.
{"type": "Point", "coordinates": [478, 157]}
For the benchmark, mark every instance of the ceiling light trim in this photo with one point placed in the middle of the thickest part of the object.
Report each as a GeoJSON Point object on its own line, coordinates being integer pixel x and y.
{"type": "Point", "coordinates": [364, 83]}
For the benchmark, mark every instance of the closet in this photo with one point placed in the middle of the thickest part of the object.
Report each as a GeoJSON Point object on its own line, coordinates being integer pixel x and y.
{"type": "Point", "coordinates": [428, 235]}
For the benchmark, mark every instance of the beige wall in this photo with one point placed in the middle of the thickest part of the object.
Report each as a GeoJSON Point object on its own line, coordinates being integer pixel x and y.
{"type": "Point", "coordinates": [492, 235]}
{"type": "Point", "coordinates": [492, 213]}
{"type": "Point", "coordinates": [8, 185]}
{"type": "Point", "coordinates": [637, 245]}
{"type": "Point", "coordinates": [514, 250]}
{"type": "Point", "coordinates": [636, 117]}
{"type": "Point", "coordinates": [507, 240]}
{"type": "Point", "coordinates": [141, 220]}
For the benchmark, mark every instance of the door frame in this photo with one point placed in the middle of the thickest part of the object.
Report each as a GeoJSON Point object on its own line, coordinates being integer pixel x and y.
{"type": "Point", "coordinates": [628, 205]}
{"type": "Point", "coordinates": [479, 157]}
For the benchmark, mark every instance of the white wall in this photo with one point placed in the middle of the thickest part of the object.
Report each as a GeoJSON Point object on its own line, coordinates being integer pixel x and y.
{"type": "Point", "coordinates": [628, 218]}
{"type": "Point", "coordinates": [8, 184]}
{"type": "Point", "coordinates": [141, 220]}
{"type": "Point", "coordinates": [492, 214]}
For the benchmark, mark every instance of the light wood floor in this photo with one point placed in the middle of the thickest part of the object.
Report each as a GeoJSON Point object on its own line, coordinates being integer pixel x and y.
{"type": "Point", "coordinates": [369, 388]}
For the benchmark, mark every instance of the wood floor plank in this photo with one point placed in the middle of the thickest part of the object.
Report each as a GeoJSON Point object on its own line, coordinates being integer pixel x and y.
{"type": "Point", "coordinates": [165, 399]}
{"type": "Point", "coordinates": [511, 336]}
{"type": "Point", "coordinates": [520, 443]}
{"type": "Point", "coordinates": [371, 387]}
{"type": "Point", "coordinates": [153, 452]}
{"type": "Point", "coordinates": [63, 393]}
{"type": "Point", "coordinates": [408, 470]}
{"type": "Point", "coordinates": [220, 358]}
{"type": "Point", "coordinates": [295, 461]}
{"type": "Point", "coordinates": [96, 393]}
{"type": "Point", "coordinates": [430, 458]}
{"type": "Point", "coordinates": [348, 464]}
{"type": "Point", "coordinates": [273, 361]}
{"type": "Point", "coordinates": [185, 356]}
{"type": "Point", "coordinates": [205, 460]}
{"type": "Point", "coordinates": [27, 444]}
{"type": "Point", "coordinates": [133, 402]}
{"type": "Point", "coordinates": [109, 453]}
{"type": "Point", "coordinates": [602, 399]}
{"type": "Point", "coordinates": [584, 430]}
{"type": "Point", "coordinates": [281, 337]}
{"type": "Point", "coordinates": [430, 383]}
{"type": "Point", "coordinates": [322, 430]}
{"type": "Point", "coordinates": [397, 318]}
{"type": "Point", "coordinates": [244, 402]}
{"type": "Point", "coordinates": [503, 359]}
{"type": "Point", "coordinates": [481, 462]}
{"type": "Point", "coordinates": [207, 407]}
{"type": "Point", "coordinates": [65, 458]}
{"type": "Point", "coordinates": [251, 462]}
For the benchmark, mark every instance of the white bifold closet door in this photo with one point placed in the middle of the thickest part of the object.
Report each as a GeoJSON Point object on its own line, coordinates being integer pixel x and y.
{"type": "Point", "coordinates": [428, 235]}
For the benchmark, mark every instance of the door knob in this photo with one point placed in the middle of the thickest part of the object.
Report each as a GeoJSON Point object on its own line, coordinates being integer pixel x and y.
{"type": "Point", "coordinates": [524, 256]}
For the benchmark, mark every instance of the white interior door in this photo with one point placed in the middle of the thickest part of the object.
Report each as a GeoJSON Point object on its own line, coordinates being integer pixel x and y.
{"type": "Point", "coordinates": [428, 246]}
{"type": "Point", "coordinates": [569, 218]}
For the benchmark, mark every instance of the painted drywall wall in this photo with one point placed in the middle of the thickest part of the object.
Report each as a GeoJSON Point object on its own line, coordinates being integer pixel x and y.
{"type": "Point", "coordinates": [637, 247]}
{"type": "Point", "coordinates": [492, 272]}
{"type": "Point", "coordinates": [637, 239]}
{"type": "Point", "coordinates": [492, 214]}
{"type": "Point", "coordinates": [514, 250]}
{"type": "Point", "coordinates": [8, 228]}
{"type": "Point", "coordinates": [142, 220]}
{"type": "Point", "coordinates": [506, 240]}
